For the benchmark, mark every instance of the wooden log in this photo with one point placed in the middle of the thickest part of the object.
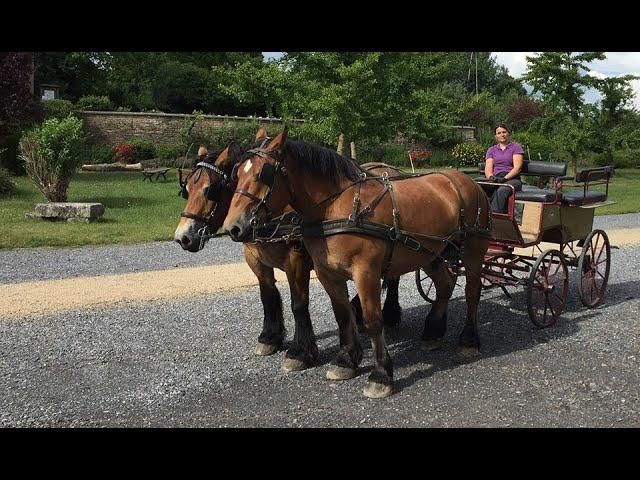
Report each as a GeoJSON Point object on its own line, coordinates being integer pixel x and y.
{"type": "Point", "coordinates": [113, 167]}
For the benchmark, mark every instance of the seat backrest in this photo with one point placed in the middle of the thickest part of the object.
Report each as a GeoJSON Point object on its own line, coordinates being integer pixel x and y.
{"type": "Point", "coordinates": [600, 173]}
{"type": "Point", "coordinates": [550, 169]}
{"type": "Point", "coordinates": [547, 169]}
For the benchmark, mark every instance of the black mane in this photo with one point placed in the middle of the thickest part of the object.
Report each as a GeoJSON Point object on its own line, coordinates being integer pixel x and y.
{"type": "Point", "coordinates": [319, 160]}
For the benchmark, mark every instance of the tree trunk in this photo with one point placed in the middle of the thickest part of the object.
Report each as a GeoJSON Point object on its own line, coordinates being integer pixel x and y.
{"type": "Point", "coordinates": [340, 149]}
{"type": "Point", "coordinates": [353, 151]}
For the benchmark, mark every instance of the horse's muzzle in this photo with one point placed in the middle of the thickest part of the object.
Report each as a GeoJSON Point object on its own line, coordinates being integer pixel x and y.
{"type": "Point", "coordinates": [239, 231]}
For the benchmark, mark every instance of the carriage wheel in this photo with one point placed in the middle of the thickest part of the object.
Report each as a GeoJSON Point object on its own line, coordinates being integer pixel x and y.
{"type": "Point", "coordinates": [593, 265]}
{"type": "Point", "coordinates": [425, 285]}
{"type": "Point", "coordinates": [547, 288]}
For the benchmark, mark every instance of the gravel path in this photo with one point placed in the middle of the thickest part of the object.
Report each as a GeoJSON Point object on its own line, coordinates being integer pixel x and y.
{"type": "Point", "coordinates": [191, 363]}
{"type": "Point", "coordinates": [28, 264]}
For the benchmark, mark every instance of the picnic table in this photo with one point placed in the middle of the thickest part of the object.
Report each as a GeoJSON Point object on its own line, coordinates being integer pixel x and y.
{"type": "Point", "coordinates": [150, 172]}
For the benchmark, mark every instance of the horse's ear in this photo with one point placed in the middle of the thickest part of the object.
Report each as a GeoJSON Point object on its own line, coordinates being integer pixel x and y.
{"type": "Point", "coordinates": [278, 142]}
{"type": "Point", "coordinates": [223, 156]}
{"type": "Point", "coordinates": [261, 133]}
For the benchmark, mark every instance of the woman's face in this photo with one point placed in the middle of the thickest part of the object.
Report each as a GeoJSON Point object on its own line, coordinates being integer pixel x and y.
{"type": "Point", "coordinates": [502, 134]}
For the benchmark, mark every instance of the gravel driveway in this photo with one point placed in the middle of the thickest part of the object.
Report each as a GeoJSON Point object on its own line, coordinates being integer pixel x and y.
{"type": "Point", "coordinates": [191, 362]}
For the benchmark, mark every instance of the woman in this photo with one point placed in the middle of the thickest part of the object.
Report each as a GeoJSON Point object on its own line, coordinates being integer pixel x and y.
{"type": "Point", "coordinates": [503, 165]}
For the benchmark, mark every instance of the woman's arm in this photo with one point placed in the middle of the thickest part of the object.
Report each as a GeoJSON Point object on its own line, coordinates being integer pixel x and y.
{"type": "Point", "coordinates": [517, 166]}
{"type": "Point", "coordinates": [488, 167]}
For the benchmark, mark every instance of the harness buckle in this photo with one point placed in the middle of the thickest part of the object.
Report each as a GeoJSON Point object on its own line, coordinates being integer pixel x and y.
{"type": "Point", "coordinates": [393, 234]}
{"type": "Point", "coordinates": [412, 243]}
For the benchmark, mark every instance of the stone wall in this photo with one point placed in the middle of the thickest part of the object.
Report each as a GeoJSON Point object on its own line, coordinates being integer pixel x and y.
{"type": "Point", "coordinates": [110, 128]}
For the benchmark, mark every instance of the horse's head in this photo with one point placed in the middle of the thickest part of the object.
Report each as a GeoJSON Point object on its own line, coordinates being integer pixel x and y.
{"type": "Point", "coordinates": [263, 190]}
{"type": "Point", "coordinates": [208, 190]}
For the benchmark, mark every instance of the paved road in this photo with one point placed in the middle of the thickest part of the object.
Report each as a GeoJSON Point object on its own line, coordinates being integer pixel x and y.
{"type": "Point", "coordinates": [190, 363]}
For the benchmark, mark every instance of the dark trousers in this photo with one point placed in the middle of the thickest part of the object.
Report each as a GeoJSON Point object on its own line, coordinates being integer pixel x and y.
{"type": "Point", "coordinates": [500, 195]}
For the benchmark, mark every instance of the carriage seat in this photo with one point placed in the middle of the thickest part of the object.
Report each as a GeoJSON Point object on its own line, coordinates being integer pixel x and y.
{"type": "Point", "coordinates": [587, 177]}
{"type": "Point", "coordinates": [531, 193]}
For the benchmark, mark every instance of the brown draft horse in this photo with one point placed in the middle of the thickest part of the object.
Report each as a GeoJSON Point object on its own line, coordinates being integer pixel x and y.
{"type": "Point", "coordinates": [435, 215]}
{"type": "Point", "coordinates": [208, 199]}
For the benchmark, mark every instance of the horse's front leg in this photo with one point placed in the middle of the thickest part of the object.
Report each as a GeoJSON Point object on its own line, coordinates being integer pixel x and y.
{"type": "Point", "coordinates": [345, 364]}
{"type": "Point", "coordinates": [380, 381]}
{"type": "Point", "coordinates": [273, 331]}
{"type": "Point", "coordinates": [303, 352]}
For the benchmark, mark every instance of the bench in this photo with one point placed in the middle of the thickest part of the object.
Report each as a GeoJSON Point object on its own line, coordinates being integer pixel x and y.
{"type": "Point", "coordinates": [149, 173]}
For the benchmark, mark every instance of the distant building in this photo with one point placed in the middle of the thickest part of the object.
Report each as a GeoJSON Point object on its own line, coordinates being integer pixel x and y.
{"type": "Point", "coordinates": [466, 132]}
{"type": "Point", "coordinates": [49, 91]}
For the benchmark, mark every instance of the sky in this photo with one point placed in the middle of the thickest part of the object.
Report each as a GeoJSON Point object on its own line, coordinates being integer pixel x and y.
{"type": "Point", "coordinates": [616, 64]}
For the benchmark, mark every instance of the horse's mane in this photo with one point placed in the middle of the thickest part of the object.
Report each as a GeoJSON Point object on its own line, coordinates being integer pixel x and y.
{"type": "Point", "coordinates": [319, 160]}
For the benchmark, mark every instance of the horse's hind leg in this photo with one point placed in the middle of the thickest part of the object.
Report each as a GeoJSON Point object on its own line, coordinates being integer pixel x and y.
{"type": "Point", "coordinates": [303, 352]}
{"type": "Point", "coordinates": [435, 324]}
{"type": "Point", "coordinates": [469, 341]}
{"type": "Point", "coordinates": [345, 364]}
{"type": "Point", "coordinates": [380, 381]}
{"type": "Point", "coordinates": [391, 311]}
{"type": "Point", "coordinates": [273, 331]}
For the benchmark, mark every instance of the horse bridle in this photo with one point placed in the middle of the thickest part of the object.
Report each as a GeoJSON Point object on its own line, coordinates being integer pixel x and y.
{"type": "Point", "coordinates": [267, 176]}
{"type": "Point", "coordinates": [211, 194]}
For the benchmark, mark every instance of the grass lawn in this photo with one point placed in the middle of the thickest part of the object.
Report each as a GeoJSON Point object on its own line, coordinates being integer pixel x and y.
{"type": "Point", "coordinates": [138, 211]}
{"type": "Point", "coordinates": [135, 211]}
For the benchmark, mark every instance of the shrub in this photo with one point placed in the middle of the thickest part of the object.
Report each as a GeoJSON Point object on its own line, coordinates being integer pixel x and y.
{"type": "Point", "coordinates": [123, 152]}
{"type": "Point", "coordinates": [468, 154]}
{"type": "Point", "coordinates": [95, 103]}
{"type": "Point", "coordinates": [52, 153]}
{"type": "Point", "coordinates": [420, 158]}
{"type": "Point", "coordinates": [169, 152]}
{"type": "Point", "coordinates": [57, 108]}
{"type": "Point", "coordinates": [99, 154]}
{"type": "Point", "coordinates": [624, 158]}
{"type": "Point", "coordinates": [142, 149]}
{"type": "Point", "coordinates": [6, 182]}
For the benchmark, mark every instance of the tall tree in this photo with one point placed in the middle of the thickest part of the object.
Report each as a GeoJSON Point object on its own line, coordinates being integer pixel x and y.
{"type": "Point", "coordinates": [77, 73]}
{"type": "Point", "coordinates": [561, 78]}
{"type": "Point", "coordinates": [617, 97]}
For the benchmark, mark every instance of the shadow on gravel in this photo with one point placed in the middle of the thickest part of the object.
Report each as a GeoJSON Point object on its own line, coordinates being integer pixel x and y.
{"type": "Point", "coordinates": [503, 324]}
{"type": "Point", "coordinates": [504, 327]}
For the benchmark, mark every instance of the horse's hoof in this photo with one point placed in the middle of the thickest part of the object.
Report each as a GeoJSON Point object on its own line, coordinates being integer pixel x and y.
{"type": "Point", "coordinates": [336, 372]}
{"type": "Point", "coordinates": [467, 352]}
{"type": "Point", "coordinates": [377, 390]}
{"type": "Point", "coordinates": [430, 345]}
{"type": "Point", "coordinates": [264, 349]}
{"type": "Point", "coordinates": [294, 365]}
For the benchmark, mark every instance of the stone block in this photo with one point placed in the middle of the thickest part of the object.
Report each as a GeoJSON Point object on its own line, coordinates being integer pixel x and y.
{"type": "Point", "coordinates": [69, 211]}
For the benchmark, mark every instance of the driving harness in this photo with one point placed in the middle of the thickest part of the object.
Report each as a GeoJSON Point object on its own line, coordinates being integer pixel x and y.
{"type": "Point", "coordinates": [289, 227]}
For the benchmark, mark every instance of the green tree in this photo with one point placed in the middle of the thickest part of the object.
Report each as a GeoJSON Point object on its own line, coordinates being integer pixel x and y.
{"type": "Point", "coordinates": [617, 97]}
{"type": "Point", "coordinates": [77, 73]}
{"type": "Point", "coordinates": [561, 78]}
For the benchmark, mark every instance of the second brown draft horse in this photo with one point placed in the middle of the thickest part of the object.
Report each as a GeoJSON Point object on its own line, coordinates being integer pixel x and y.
{"type": "Point", "coordinates": [208, 191]}
{"type": "Point", "coordinates": [360, 227]}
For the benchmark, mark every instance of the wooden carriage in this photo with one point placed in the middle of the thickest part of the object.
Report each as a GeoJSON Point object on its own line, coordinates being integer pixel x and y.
{"type": "Point", "coordinates": [546, 211]}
